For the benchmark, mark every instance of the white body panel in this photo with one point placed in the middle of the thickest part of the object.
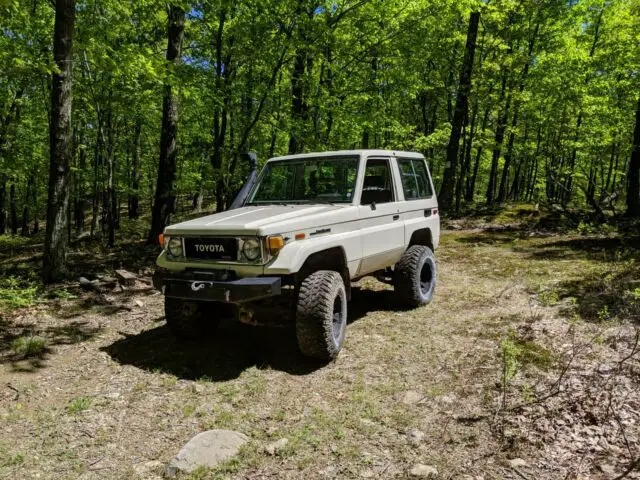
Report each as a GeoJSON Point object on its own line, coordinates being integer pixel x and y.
{"type": "Point", "coordinates": [371, 238]}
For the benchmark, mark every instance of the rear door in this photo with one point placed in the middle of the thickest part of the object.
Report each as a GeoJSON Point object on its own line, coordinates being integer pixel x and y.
{"type": "Point", "coordinates": [381, 229]}
{"type": "Point", "coordinates": [419, 208]}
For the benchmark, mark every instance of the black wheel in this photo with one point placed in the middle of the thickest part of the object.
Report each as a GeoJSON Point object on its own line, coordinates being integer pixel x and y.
{"type": "Point", "coordinates": [190, 320]}
{"type": "Point", "coordinates": [415, 276]}
{"type": "Point", "coordinates": [321, 315]}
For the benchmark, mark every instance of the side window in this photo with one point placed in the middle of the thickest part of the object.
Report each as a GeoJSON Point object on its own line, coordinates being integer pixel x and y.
{"type": "Point", "coordinates": [378, 183]}
{"type": "Point", "coordinates": [415, 180]}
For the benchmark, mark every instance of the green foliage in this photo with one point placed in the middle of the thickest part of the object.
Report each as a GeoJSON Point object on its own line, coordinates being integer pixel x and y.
{"type": "Point", "coordinates": [16, 293]}
{"type": "Point", "coordinates": [376, 74]}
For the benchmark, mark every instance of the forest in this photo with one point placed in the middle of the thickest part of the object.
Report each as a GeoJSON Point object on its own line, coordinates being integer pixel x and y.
{"type": "Point", "coordinates": [112, 109]}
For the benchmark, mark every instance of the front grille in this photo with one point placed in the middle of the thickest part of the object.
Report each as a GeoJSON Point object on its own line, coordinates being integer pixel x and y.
{"type": "Point", "coordinates": [223, 248]}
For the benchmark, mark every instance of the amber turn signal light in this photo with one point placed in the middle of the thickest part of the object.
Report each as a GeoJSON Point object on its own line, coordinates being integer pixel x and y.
{"type": "Point", "coordinates": [161, 239]}
{"type": "Point", "coordinates": [275, 244]}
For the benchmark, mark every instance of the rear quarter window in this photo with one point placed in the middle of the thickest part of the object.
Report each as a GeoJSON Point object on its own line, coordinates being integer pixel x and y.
{"type": "Point", "coordinates": [415, 179]}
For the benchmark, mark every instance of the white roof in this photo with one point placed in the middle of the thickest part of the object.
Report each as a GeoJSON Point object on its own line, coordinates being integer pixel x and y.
{"type": "Point", "coordinates": [342, 153]}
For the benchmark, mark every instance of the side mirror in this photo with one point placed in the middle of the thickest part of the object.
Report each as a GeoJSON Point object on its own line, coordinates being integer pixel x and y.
{"type": "Point", "coordinates": [373, 205]}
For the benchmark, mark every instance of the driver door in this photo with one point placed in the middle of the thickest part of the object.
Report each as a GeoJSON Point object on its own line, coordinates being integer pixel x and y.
{"type": "Point", "coordinates": [381, 230]}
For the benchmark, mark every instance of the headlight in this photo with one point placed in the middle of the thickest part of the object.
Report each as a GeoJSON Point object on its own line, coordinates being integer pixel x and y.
{"type": "Point", "coordinates": [251, 249]}
{"type": "Point", "coordinates": [174, 247]}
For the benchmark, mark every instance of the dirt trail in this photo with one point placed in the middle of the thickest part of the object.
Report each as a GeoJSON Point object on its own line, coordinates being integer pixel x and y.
{"type": "Point", "coordinates": [116, 396]}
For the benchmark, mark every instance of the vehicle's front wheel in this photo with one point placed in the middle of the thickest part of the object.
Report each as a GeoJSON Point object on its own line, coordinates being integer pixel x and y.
{"type": "Point", "coordinates": [321, 315]}
{"type": "Point", "coordinates": [189, 320]}
{"type": "Point", "coordinates": [415, 276]}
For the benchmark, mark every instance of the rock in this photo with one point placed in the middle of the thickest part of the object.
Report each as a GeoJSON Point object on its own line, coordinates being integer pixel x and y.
{"type": "Point", "coordinates": [276, 447]}
{"type": "Point", "coordinates": [424, 471]}
{"type": "Point", "coordinates": [139, 303]}
{"type": "Point", "coordinates": [126, 278]}
{"type": "Point", "coordinates": [415, 436]}
{"type": "Point", "coordinates": [517, 463]}
{"type": "Point", "coordinates": [89, 284]}
{"type": "Point", "coordinates": [412, 397]}
{"type": "Point", "coordinates": [151, 469]}
{"type": "Point", "coordinates": [207, 449]}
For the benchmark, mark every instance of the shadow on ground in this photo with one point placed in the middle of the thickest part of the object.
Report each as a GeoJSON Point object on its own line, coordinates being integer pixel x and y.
{"type": "Point", "coordinates": [236, 347]}
{"type": "Point", "coordinates": [27, 346]}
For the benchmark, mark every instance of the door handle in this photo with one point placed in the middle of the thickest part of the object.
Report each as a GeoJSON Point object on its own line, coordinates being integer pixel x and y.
{"type": "Point", "coordinates": [396, 217]}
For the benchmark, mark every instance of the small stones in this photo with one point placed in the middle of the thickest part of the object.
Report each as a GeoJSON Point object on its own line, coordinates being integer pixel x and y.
{"type": "Point", "coordinates": [423, 471]}
{"type": "Point", "coordinates": [207, 449]}
{"type": "Point", "coordinates": [276, 447]}
{"type": "Point", "coordinates": [152, 469]}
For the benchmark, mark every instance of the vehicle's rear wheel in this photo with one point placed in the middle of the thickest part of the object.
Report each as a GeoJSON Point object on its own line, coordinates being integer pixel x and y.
{"type": "Point", "coordinates": [415, 276]}
{"type": "Point", "coordinates": [321, 315]}
{"type": "Point", "coordinates": [189, 320]}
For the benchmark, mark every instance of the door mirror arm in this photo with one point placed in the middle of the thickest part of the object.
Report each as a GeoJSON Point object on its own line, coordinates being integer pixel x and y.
{"type": "Point", "coordinates": [373, 205]}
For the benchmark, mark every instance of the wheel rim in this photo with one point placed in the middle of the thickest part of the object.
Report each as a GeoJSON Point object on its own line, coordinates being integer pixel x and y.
{"type": "Point", "coordinates": [338, 317]}
{"type": "Point", "coordinates": [426, 278]}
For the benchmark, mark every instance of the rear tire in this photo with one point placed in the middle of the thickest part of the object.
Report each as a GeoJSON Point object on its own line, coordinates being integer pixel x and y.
{"type": "Point", "coordinates": [321, 315]}
{"type": "Point", "coordinates": [415, 276]}
{"type": "Point", "coordinates": [189, 320]}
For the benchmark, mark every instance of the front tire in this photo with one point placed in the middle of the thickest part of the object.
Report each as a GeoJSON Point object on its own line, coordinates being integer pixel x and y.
{"type": "Point", "coordinates": [415, 276]}
{"type": "Point", "coordinates": [321, 315]}
{"type": "Point", "coordinates": [188, 320]}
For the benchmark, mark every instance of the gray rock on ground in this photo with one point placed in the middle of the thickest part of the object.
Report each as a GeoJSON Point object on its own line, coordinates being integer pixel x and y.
{"type": "Point", "coordinates": [423, 471]}
{"type": "Point", "coordinates": [207, 449]}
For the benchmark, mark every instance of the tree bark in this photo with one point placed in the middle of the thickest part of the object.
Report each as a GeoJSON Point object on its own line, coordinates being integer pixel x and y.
{"type": "Point", "coordinates": [57, 235]}
{"type": "Point", "coordinates": [445, 198]}
{"type": "Point", "coordinates": [633, 185]}
{"type": "Point", "coordinates": [164, 198]}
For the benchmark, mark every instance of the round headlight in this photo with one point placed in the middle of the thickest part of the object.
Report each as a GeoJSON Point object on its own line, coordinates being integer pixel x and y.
{"type": "Point", "coordinates": [251, 249]}
{"type": "Point", "coordinates": [175, 247]}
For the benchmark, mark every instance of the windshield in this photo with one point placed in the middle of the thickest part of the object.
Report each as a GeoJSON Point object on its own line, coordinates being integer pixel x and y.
{"type": "Point", "coordinates": [309, 180]}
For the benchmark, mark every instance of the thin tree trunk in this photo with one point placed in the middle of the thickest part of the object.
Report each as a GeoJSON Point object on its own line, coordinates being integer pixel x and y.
{"type": "Point", "coordinates": [499, 138]}
{"type": "Point", "coordinates": [3, 212]}
{"type": "Point", "coordinates": [110, 199]}
{"type": "Point", "coordinates": [57, 239]}
{"type": "Point", "coordinates": [25, 210]}
{"type": "Point", "coordinates": [163, 202]}
{"type": "Point", "coordinates": [445, 198]}
{"type": "Point", "coordinates": [13, 209]}
{"type": "Point", "coordinates": [134, 199]}
{"type": "Point", "coordinates": [471, 184]}
{"type": "Point", "coordinates": [633, 182]}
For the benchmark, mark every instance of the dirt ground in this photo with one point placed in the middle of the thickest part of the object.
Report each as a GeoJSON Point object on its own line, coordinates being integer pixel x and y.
{"type": "Point", "coordinates": [524, 366]}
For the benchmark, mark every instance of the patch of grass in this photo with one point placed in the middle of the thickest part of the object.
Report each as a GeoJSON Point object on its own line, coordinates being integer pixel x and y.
{"type": "Point", "coordinates": [15, 293]}
{"type": "Point", "coordinates": [14, 460]}
{"type": "Point", "coordinates": [549, 297]}
{"type": "Point", "coordinates": [78, 405]}
{"type": "Point", "coordinates": [188, 410]}
{"type": "Point", "coordinates": [9, 242]}
{"type": "Point", "coordinates": [63, 294]}
{"type": "Point", "coordinates": [29, 346]}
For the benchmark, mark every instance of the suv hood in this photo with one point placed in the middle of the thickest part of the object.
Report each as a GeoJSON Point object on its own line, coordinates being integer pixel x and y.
{"type": "Point", "coordinates": [265, 220]}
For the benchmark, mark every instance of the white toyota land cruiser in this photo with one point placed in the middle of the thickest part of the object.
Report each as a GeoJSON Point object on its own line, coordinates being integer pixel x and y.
{"type": "Point", "coordinates": [309, 226]}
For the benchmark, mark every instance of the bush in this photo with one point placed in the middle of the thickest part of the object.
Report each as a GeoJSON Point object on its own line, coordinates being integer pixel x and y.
{"type": "Point", "coordinates": [29, 346]}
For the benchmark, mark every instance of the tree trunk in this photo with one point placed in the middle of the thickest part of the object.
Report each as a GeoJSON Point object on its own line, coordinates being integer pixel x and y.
{"type": "Point", "coordinates": [110, 199]}
{"type": "Point", "coordinates": [499, 138]}
{"type": "Point", "coordinates": [471, 183]}
{"type": "Point", "coordinates": [633, 185]}
{"type": "Point", "coordinates": [25, 211]}
{"type": "Point", "coordinates": [445, 198]}
{"type": "Point", "coordinates": [134, 199]}
{"type": "Point", "coordinates": [13, 209]}
{"type": "Point", "coordinates": [163, 202]}
{"type": "Point", "coordinates": [3, 212]}
{"type": "Point", "coordinates": [57, 238]}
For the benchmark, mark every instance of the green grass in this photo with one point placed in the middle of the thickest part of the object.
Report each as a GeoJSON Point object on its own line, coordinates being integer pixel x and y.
{"type": "Point", "coordinates": [29, 346]}
{"type": "Point", "coordinates": [78, 405]}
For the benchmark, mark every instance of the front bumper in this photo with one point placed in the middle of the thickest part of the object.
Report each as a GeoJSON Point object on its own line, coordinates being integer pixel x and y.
{"type": "Point", "coordinates": [202, 286]}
